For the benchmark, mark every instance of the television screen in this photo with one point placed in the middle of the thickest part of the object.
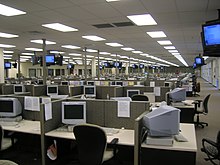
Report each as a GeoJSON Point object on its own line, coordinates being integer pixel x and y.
{"type": "Point", "coordinates": [141, 66]}
{"type": "Point", "coordinates": [50, 59]}
{"type": "Point", "coordinates": [199, 61]}
{"type": "Point", "coordinates": [194, 65]}
{"type": "Point", "coordinates": [74, 113]}
{"type": "Point", "coordinates": [117, 64]}
{"type": "Point", "coordinates": [7, 65]}
{"type": "Point", "coordinates": [70, 66]}
{"type": "Point", "coordinates": [134, 66]}
{"type": "Point", "coordinates": [107, 65]}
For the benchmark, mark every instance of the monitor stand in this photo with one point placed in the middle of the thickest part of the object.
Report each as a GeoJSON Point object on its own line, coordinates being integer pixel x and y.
{"type": "Point", "coordinates": [11, 119]}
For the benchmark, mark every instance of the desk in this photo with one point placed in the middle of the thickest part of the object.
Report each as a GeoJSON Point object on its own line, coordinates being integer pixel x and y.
{"type": "Point", "coordinates": [25, 126]}
{"type": "Point", "coordinates": [125, 136]}
{"type": "Point", "coordinates": [180, 153]}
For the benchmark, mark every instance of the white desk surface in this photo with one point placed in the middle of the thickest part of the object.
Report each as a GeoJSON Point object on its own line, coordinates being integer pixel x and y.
{"type": "Point", "coordinates": [25, 126]}
{"type": "Point", "coordinates": [188, 131]}
{"type": "Point", "coordinates": [125, 136]}
{"type": "Point", "coordinates": [187, 104]}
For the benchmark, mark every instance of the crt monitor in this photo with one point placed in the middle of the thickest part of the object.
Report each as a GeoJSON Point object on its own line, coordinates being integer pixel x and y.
{"type": "Point", "coordinates": [52, 90]}
{"type": "Point", "coordinates": [132, 92]}
{"type": "Point", "coordinates": [119, 83]}
{"type": "Point", "coordinates": [163, 121]}
{"type": "Point", "coordinates": [19, 88]}
{"type": "Point", "coordinates": [73, 112]}
{"type": "Point", "coordinates": [90, 82]}
{"type": "Point", "coordinates": [10, 107]}
{"type": "Point", "coordinates": [177, 95]}
{"type": "Point", "coordinates": [90, 91]}
{"type": "Point", "coordinates": [40, 81]}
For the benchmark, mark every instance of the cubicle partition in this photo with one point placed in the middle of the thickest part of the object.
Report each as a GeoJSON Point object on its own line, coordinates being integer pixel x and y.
{"type": "Point", "coordinates": [75, 90]}
{"type": "Point", "coordinates": [111, 91]}
{"type": "Point", "coordinates": [7, 89]}
{"type": "Point", "coordinates": [64, 90]}
{"type": "Point", "coordinates": [1, 84]}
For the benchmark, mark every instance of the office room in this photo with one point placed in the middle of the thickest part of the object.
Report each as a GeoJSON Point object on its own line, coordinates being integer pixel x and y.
{"type": "Point", "coordinates": [116, 62]}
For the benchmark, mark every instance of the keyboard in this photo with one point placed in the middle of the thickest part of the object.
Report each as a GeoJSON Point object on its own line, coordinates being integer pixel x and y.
{"type": "Point", "coordinates": [110, 131]}
{"type": "Point", "coordinates": [8, 123]}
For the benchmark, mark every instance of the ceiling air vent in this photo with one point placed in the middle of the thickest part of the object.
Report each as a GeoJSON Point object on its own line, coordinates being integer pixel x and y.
{"type": "Point", "coordinates": [106, 25]}
{"type": "Point", "coordinates": [123, 24]}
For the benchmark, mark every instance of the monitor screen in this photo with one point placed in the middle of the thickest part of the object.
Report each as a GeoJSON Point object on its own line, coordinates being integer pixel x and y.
{"type": "Point", "coordinates": [211, 34]}
{"type": "Point", "coordinates": [194, 65]}
{"type": "Point", "coordinates": [73, 113]}
{"type": "Point", "coordinates": [119, 83]}
{"type": "Point", "coordinates": [163, 121]}
{"type": "Point", "coordinates": [7, 65]}
{"type": "Point", "coordinates": [134, 66]}
{"type": "Point", "coordinates": [199, 61]}
{"type": "Point", "coordinates": [19, 88]}
{"type": "Point", "coordinates": [64, 82]}
{"type": "Point", "coordinates": [10, 107]}
{"type": "Point", "coordinates": [70, 66]}
{"type": "Point", "coordinates": [141, 66]}
{"type": "Point", "coordinates": [177, 95]}
{"type": "Point", "coordinates": [167, 84]}
{"type": "Point", "coordinates": [40, 81]}
{"type": "Point", "coordinates": [50, 59]}
{"type": "Point", "coordinates": [52, 90]}
{"type": "Point", "coordinates": [90, 91]}
{"type": "Point", "coordinates": [91, 83]}
{"type": "Point", "coordinates": [132, 92]}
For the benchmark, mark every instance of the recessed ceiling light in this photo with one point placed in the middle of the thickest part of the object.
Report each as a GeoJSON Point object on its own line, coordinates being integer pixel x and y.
{"type": "Point", "coordinates": [66, 57]}
{"type": "Point", "coordinates": [41, 42]}
{"type": "Point", "coordinates": [112, 0]}
{"type": "Point", "coordinates": [165, 42]}
{"type": "Point", "coordinates": [89, 56]}
{"type": "Point", "coordinates": [56, 52]}
{"type": "Point", "coordinates": [8, 51]}
{"type": "Point", "coordinates": [137, 52]}
{"type": "Point", "coordinates": [8, 55]}
{"type": "Point", "coordinates": [169, 47]}
{"type": "Point", "coordinates": [104, 53]}
{"type": "Point", "coordinates": [157, 34]}
{"type": "Point", "coordinates": [30, 54]}
{"type": "Point", "coordinates": [9, 11]}
{"type": "Point", "coordinates": [127, 49]}
{"type": "Point", "coordinates": [75, 54]}
{"type": "Point", "coordinates": [34, 49]}
{"type": "Point", "coordinates": [25, 57]}
{"type": "Point", "coordinates": [6, 46]}
{"type": "Point", "coordinates": [90, 50]}
{"type": "Point", "coordinates": [60, 27]}
{"type": "Point", "coordinates": [173, 51]}
{"type": "Point", "coordinates": [114, 44]}
{"type": "Point", "coordinates": [93, 38]}
{"type": "Point", "coordinates": [7, 58]}
{"type": "Point", "coordinates": [70, 47]}
{"type": "Point", "coordinates": [7, 35]}
{"type": "Point", "coordinates": [144, 19]}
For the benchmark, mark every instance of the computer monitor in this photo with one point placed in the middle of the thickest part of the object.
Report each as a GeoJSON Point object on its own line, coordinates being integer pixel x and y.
{"type": "Point", "coordinates": [52, 90]}
{"type": "Point", "coordinates": [119, 83]}
{"type": "Point", "coordinates": [163, 121]}
{"type": "Point", "coordinates": [10, 107]}
{"type": "Point", "coordinates": [40, 81]}
{"type": "Point", "coordinates": [73, 112]}
{"type": "Point", "coordinates": [177, 95]}
{"type": "Point", "coordinates": [90, 91]}
{"type": "Point", "coordinates": [64, 82]}
{"type": "Point", "coordinates": [91, 83]}
{"type": "Point", "coordinates": [19, 88]}
{"type": "Point", "coordinates": [132, 92]}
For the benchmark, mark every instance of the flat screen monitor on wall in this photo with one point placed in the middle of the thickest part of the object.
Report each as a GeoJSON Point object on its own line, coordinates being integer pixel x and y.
{"type": "Point", "coordinates": [10, 107]}
{"type": "Point", "coordinates": [73, 113]}
{"type": "Point", "coordinates": [50, 59]}
{"type": "Point", "coordinates": [7, 65]}
{"type": "Point", "coordinates": [199, 61]}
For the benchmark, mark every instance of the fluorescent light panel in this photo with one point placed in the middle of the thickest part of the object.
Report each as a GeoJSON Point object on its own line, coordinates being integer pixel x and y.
{"type": "Point", "coordinates": [93, 38]}
{"type": "Point", "coordinates": [60, 27]}
{"type": "Point", "coordinates": [114, 44]}
{"type": "Point", "coordinates": [137, 52]}
{"type": "Point", "coordinates": [75, 54]}
{"type": "Point", "coordinates": [7, 35]}
{"type": "Point", "coordinates": [173, 51]}
{"type": "Point", "coordinates": [141, 20]}
{"type": "Point", "coordinates": [104, 53]}
{"type": "Point", "coordinates": [157, 34]}
{"type": "Point", "coordinates": [127, 49]}
{"type": "Point", "coordinates": [165, 42]}
{"type": "Point", "coordinates": [90, 50]}
{"type": "Point", "coordinates": [41, 42]}
{"type": "Point", "coordinates": [30, 54]}
{"type": "Point", "coordinates": [70, 47]}
{"type": "Point", "coordinates": [56, 52]}
{"type": "Point", "coordinates": [112, 0]}
{"type": "Point", "coordinates": [6, 46]}
{"type": "Point", "coordinates": [9, 11]}
{"type": "Point", "coordinates": [169, 47]}
{"type": "Point", "coordinates": [34, 49]}
{"type": "Point", "coordinates": [8, 51]}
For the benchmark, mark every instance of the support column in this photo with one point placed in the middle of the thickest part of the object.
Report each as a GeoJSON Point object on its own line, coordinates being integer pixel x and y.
{"type": "Point", "coordinates": [2, 68]}
{"type": "Point", "coordinates": [19, 69]}
{"type": "Point", "coordinates": [127, 69]}
{"type": "Point", "coordinates": [93, 68]}
{"type": "Point", "coordinates": [44, 62]}
{"type": "Point", "coordinates": [85, 65]}
{"type": "Point", "coordinates": [98, 66]}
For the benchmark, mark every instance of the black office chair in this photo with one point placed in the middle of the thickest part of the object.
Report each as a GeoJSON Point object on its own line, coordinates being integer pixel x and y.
{"type": "Point", "coordinates": [212, 149]}
{"type": "Point", "coordinates": [201, 110]}
{"type": "Point", "coordinates": [5, 143]}
{"type": "Point", "coordinates": [139, 97]}
{"type": "Point", "coordinates": [91, 142]}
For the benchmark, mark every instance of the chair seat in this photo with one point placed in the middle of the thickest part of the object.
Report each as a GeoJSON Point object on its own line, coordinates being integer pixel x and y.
{"type": "Point", "coordinates": [212, 151]}
{"type": "Point", "coordinates": [7, 162]}
{"type": "Point", "coordinates": [108, 154]}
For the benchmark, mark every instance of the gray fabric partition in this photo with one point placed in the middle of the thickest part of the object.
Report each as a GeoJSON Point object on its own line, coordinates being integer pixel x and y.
{"type": "Point", "coordinates": [7, 89]}
{"type": "Point", "coordinates": [112, 120]}
{"type": "Point", "coordinates": [141, 88]}
{"type": "Point", "coordinates": [63, 90]}
{"type": "Point", "coordinates": [103, 91]}
{"type": "Point", "coordinates": [76, 90]}
{"type": "Point", "coordinates": [162, 97]}
{"type": "Point", "coordinates": [29, 88]}
{"type": "Point", "coordinates": [1, 84]}
{"type": "Point", "coordinates": [40, 90]}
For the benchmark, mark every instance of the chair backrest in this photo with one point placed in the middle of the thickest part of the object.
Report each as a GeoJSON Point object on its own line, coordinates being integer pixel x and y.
{"type": "Point", "coordinates": [139, 97]}
{"type": "Point", "coordinates": [91, 142]}
{"type": "Point", "coordinates": [1, 136]}
{"type": "Point", "coordinates": [205, 103]}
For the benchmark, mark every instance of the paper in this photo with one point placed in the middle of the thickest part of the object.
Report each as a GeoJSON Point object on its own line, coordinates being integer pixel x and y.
{"type": "Point", "coordinates": [32, 103]}
{"type": "Point", "coordinates": [152, 83]}
{"type": "Point", "coordinates": [47, 108]}
{"type": "Point", "coordinates": [157, 91]}
{"type": "Point", "coordinates": [123, 108]}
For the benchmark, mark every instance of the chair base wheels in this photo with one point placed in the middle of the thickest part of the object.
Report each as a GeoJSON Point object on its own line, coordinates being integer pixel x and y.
{"type": "Point", "coordinates": [201, 124]}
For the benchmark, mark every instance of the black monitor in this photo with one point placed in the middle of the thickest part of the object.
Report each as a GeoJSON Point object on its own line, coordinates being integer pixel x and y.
{"type": "Point", "coordinates": [50, 59]}
{"type": "Point", "coordinates": [131, 92]}
{"type": "Point", "coordinates": [199, 61]}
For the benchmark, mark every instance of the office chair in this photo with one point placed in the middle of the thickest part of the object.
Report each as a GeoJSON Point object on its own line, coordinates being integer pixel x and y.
{"type": "Point", "coordinates": [212, 149]}
{"type": "Point", "coordinates": [5, 143]}
{"type": "Point", "coordinates": [91, 142]}
{"type": "Point", "coordinates": [201, 110]}
{"type": "Point", "coordinates": [139, 97]}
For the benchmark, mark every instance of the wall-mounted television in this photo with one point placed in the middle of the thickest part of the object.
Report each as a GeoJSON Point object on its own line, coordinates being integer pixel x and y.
{"type": "Point", "coordinates": [141, 66]}
{"type": "Point", "coordinates": [211, 38]}
{"type": "Point", "coordinates": [7, 65]}
{"type": "Point", "coordinates": [194, 65]}
{"type": "Point", "coordinates": [134, 66]}
{"type": "Point", "coordinates": [199, 61]}
{"type": "Point", "coordinates": [50, 59]}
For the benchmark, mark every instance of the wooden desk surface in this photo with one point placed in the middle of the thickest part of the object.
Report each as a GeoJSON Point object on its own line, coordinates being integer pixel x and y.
{"type": "Point", "coordinates": [25, 126]}
{"type": "Point", "coordinates": [188, 131]}
{"type": "Point", "coordinates": [126, 136]}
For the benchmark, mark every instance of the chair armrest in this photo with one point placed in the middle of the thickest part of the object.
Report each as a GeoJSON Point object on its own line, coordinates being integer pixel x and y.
{"type": "Point", "coordinates": [113, 144]}
{"type": "Point", "coordinates": [114, 141]}
{"type": "Point", "coordinates": [205, 140]}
